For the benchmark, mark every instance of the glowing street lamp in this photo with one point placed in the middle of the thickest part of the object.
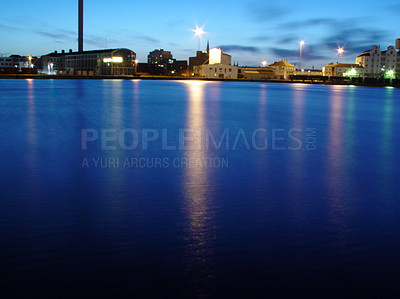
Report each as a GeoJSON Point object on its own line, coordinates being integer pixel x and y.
{"type": "Point", "coordinates": [30, 61]}
{"type": "Point", "coordinates": [340, 51]}
{"type": "Point", "coordinates": [198, 32]}
{"type": "Point", "coordinates": [264, 63]}
{"type": "Point", "coordinates": [301, 50]}
{"type": "Point", "coordinates": [136, 66]}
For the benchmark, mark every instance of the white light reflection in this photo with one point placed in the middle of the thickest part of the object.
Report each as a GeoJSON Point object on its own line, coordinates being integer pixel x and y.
{"type": "Point", "coordinates": [198, 191]}
{"type": "Point", "coordinates": [31, 125]}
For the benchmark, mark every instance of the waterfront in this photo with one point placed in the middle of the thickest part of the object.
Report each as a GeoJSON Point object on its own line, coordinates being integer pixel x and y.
{"type": "Point", "coordinates": [315, 212]}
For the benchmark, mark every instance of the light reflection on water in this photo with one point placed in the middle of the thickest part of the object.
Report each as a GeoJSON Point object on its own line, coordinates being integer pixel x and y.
{"type": "Point", "coordinates": [31, 125]}
{"type": "Point", "coordinates": [198, 190]}
{"type": "Point", "coordinates": [271, 215]}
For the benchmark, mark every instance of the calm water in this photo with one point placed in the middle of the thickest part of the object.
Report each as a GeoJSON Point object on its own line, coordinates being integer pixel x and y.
{"type": "Point", "coordinates": [315, 213]}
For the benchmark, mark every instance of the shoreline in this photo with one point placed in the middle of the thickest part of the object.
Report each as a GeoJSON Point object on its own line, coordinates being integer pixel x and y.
{"type": "Point", "coordinates": [395, 83]}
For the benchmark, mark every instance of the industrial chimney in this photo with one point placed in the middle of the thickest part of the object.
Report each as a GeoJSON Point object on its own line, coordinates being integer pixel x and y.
{"type": "Point", "coordinates": [80, 36]}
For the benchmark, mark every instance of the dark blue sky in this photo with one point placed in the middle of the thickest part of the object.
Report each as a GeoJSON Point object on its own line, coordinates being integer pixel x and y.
{"type": "Point", "coordinates": [250, 31]}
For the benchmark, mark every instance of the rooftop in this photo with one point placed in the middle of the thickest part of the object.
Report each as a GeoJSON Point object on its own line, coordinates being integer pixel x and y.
{"type": "Point", "coordinates": [343, 65]}
{"type": "Point", "coordinates": [281, 63]}
{"type": "Point", "coordinates": [84, 52]}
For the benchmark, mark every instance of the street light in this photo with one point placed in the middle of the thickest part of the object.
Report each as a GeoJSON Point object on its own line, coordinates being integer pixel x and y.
{"type": "Point", "coordinates": [198, 32]}
{"type": "Point", "coordinates": [264, 63]}
{"type": "Point", "coordinates": [136, 66]}
{"type": "Point", "coordinates": [340, 51]}
{"type": "Point", "coordinates": [301, 50]}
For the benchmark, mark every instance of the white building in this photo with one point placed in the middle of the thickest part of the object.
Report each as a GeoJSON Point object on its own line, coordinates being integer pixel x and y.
{"type": "Point", "coordinates": [343, 70]}
{"type": "Point", "coordinates": [218, 67]}
{"type": "Point", "coordinates": [217, 71]}
{"type": "Point", "coordinates": [377, 63]}
{"type": "Point", "coordinates": [218, 57]}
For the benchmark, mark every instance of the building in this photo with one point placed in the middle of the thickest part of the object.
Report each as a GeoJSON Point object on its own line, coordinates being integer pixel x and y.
{"type": "Point", "coordinates": [218, 66]}
{"type": "Point", "coordinates": [198, 60]}
{"type": "Point", "coordinates": [283, 69]}
{"type": "Point", "coordinates": [343, 70]}
{"type": "Point", "coordinates": [180, 68]}
{"type": "Point", "coordinates": [97, 62]}
{"type": "Point", "coordinates": [377, 63]}
{"type": "Point", "coordinates": [162, 63]}
{"type": "Point", "coordinates": [201, 58]}
{"type": "Point", "coordinates": [309, 72]}
{"type": "Point", "coordinates": [6, 62]}
{"type": "Point", "coordinates": [159, 57]}
{"type": "Point", "coordinates": [18, 64]}
{"type": "Point", "coordinates": [217, 71]}
{"type": "Point", "coordinates": [176, 68]}
{"type": "Point", "coordinates": [216, 56]}
{"type": "Point", "coordinates": [256, 73]}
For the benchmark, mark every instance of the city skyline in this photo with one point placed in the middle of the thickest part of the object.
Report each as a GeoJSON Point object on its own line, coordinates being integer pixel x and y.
{"type": "Point", "coordinates": [251, 32]}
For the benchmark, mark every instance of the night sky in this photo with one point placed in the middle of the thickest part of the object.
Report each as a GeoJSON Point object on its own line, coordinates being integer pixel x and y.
{"type": "Point", "coordinates": [251, 31]}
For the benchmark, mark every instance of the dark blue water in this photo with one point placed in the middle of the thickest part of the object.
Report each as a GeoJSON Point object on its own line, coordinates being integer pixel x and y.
{"type": "Point", "coordinates": [301, 198]}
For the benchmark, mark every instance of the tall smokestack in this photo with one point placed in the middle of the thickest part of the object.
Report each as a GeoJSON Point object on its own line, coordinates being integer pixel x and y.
{"type": "Point", "coordinates": [80, 37]}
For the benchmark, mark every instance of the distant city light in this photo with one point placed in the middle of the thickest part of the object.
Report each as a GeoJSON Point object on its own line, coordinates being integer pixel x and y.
{"type": "Point", "coordinates": [198, 32]}
{"type": "Point", "coordinates": [340, 51]}
{"type": "Point", "coordinates": [113, 59]}
{"type": "Point", "coordinates": [390, 74]}
{"type": "Point", "coordinates": [351, 73]}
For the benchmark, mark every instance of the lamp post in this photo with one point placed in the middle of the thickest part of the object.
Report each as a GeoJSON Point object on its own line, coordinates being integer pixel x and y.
{"type": "Point", "coordinates": [301, 50]}
{"type": "Point", "coordinates": [136, 66]}
{"type": "Point", "coordinates": [198, 32]}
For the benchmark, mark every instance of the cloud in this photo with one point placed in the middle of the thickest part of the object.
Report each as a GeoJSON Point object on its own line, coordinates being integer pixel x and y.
{"type": "Point", "coordinates": [238, 48]}
{"type": "Point", "coordinates": [54, 35]}
{"type": "Point", "coordinates": [355, 39]}
{"type": "Point", "coordinates": [260, 38]}
{"type": "Point", "coordinates": [309, 53]}
{"type": "Point", "coordinates": [393, 8]}
{"type": "Point", "coordinates": [174, 22]}
{"type": "Point", "coordinates": [146, 38]}
{"type": "Point", "coordinates": [7, 27]}
{"type": "Point", "coordinates": [96, 42]}
{"type": "Point", "coordinates": [356, 34]}
{"type": "Point", "coordinates": [265, 12]}
{"type": "Point", "coordinates": [307, 23]}
{"type": "Point", "coordinates": [287, 40]}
